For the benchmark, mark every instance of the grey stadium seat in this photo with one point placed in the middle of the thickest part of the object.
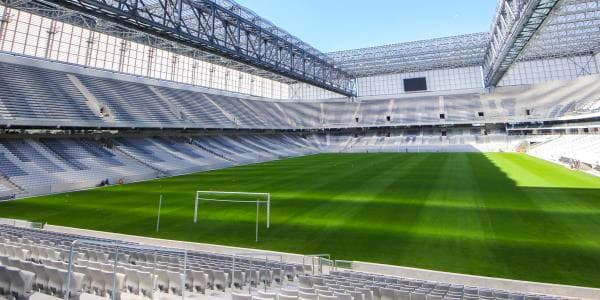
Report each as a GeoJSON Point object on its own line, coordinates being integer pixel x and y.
{"type": "Point", "coordinates": [287, 297]}
{"type": "Point", "coordinates": [327, 297]}
{"type": "Point", "coordinates": [288, 292]}
{"type": "Point", "coordinates": [265, 295]}
{"type": "Point", "coordinates": [343, 296]}
{"type": "Point", "coordinates": [236, 296]}
{"type": "Point", "coordinates": [307, 296]}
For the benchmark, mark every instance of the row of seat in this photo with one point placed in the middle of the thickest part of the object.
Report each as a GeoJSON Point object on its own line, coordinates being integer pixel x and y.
{"type": "Point", "coordinates": [393, 288]}
{"type": "Point", "coordinates": [171, 273]}
{"type": "Point", "coordinates": [38, 93]}
{"type": "Point", "coordinates": [15, 282]}
{"type": "Point", "coordinates": [94, 273]}
{"type": "Point", "coordinates": [44, 278]}
{"type": "Point", "coordinates": [44, 166]}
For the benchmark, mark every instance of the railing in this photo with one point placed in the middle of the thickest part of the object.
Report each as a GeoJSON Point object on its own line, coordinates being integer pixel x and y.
{"type": "Point", "coordinates": [252, 256]}
{"type": "Point", "coordinates": [317, 262]}
{"type": "Point", "coordinates": [21, 223]}
{"type": "Point", "coordinates": [119, 248]}
{"type": "Point", "coordinates": [342, 264]}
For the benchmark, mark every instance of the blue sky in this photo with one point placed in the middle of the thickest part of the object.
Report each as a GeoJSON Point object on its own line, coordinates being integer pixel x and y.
{"type": "Point", "coordinates": [331, 25]}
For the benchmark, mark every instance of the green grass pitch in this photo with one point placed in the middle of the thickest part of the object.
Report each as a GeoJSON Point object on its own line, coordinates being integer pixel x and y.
{"type": "Point", "coordinates": [502, 215]}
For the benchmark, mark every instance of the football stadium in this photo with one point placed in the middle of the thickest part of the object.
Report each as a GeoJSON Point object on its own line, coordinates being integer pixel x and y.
{"type": "Point", "coordinates": [192, 149]}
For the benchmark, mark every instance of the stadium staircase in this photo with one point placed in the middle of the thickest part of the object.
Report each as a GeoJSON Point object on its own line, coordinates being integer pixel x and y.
{"type": "Point", "coordinates": [159, 172]}
{"type": "Point", "coordinates": [92, 102]}
{"type": "Point", "coordinates": [5, 180]}
{"type": "Point", "coordinates": [227, 114]}
{"type": "Point", "coordinates": [347, 144]}
{"type": "Point", "coordinates": [176, 111]}
{"type": "Point", "coordinates": [539, 143]}
{"type": "Point", "coordinates": [196, 143]}
{"type": "Point", "coordinates": [50, 154]}
{"type": "Point", "coordinates": [286, 117]}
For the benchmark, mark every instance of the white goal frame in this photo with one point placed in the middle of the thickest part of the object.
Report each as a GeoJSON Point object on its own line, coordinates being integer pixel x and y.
{"type": "Point", "coordinates": [257, 202]}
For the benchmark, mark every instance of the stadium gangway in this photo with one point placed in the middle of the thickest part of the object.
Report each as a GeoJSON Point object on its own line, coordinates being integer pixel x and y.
{"type": "Point", "coordinates": [122, 246]}
{"type": "Point", "coordinates": [251, 255]}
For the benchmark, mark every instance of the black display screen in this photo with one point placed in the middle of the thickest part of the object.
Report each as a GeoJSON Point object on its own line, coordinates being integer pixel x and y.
{"type": "Point", "coordinates": [415, 84]}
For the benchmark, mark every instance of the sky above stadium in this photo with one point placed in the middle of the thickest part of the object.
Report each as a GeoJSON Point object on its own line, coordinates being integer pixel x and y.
{"type": "Point", "coordinates": [331, 25]}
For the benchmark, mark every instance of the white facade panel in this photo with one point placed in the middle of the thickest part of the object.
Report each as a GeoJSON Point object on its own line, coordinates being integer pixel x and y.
{"type": "Point", "coordinates": [437, 80]}
{"type": "Point", "coordinates": [539, 71]}
{"type": "Point", "coordinates": [307, 92]}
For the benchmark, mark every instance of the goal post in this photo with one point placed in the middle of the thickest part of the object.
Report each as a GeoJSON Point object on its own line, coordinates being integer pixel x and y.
{"type": "Point", "coordinates": [235, 197]}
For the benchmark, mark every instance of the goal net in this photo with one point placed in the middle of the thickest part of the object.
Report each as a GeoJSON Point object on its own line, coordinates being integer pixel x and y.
{"type": "Point", "coordinates": [241, 198]}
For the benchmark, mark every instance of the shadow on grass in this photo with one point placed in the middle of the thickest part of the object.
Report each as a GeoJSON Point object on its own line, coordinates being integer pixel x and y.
{"type": "Point", "coordinates": [451, 212]}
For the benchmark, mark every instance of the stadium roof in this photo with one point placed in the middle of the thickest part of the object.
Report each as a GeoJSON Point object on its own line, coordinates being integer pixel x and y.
{"type": "Point", "coordinates": [225, 33]}
{"type": "Point", "coordinates": [219, 31]}
{"type": "Point", "coordinates": [447, 52]}
{"type": "Point", "coordinates": [521, 30]}
{"type": "Point", "coordinates": [536, 29]}
{"type": "Point", "coordinates": [573, 28]}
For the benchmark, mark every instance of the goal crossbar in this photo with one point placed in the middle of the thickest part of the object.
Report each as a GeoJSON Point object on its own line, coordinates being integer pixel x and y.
{"type": "Point", "coordinates": [234, 193]}
{"type": "Point", "coordinates": [255, 201]}
{"type": "Point", "coordinates": [233, 200]}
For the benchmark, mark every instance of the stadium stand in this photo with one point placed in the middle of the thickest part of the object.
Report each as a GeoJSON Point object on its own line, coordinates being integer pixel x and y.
{"type": "Point", "coordinates": [51, 164]}
{"type": "Point", "coordinates": [197, 109]}
{"type": "Point", "coordinates": [131, 104]}
{"type": "Point", "coordinates": [158, 102]}
{"type": "Point", "coordinates": [35, 93]}
{"type": "Point", "coordinates": [37, 262]}
{"type": "Point", "coordinates": [576, 151]}
{"type": "Point", "coordinates": [48, 165]}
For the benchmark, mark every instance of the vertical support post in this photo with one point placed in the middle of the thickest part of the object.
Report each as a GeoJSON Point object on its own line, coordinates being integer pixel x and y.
{"type": "Point", "coordinates": [114, 289]}
{"type": "Point", "coordinates": [158, 215]}
{"type": "Point", "coordinates": [233, 272]}
{"type": "Point", "coordinates": [89, 48]}
{"type": "Point", "coordinates": [184, 277]}
{"type": "Point", "coordinates": [154, 274]}
{"type": "Point", "coordinates": [50, 41]}
{"type": "Point", "coordinates": [303, 264]}
{"type": "Point", "coordinates": [267, 267]}
{"type": "Point", "coordinates": [253, 272]}
{"type": "Point", "coordinates": [320, 266]}
{"type": "Point", "coordinates": [70, 270]}
{"type": "Point", "coordinates": [196, 208]}
{"type": "Point", "coordinates": [3, 22]}
{"type": "Point", "coordinates": [257, 209]}
{"type": "Point", "coordinates": [268, 210]}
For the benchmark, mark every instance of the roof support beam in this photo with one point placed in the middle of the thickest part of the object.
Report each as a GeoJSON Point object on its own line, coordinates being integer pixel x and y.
{"type": "Point", "coordinates": [231, 32]}
{"type": "Point", "coordinates": [448, 52]}
{"type": "Point", "coordinates": [516, 36]}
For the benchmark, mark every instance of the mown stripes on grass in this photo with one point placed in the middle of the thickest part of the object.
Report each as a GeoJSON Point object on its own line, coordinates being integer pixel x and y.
{"type": "Point", "coordinates": [504, 215]}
